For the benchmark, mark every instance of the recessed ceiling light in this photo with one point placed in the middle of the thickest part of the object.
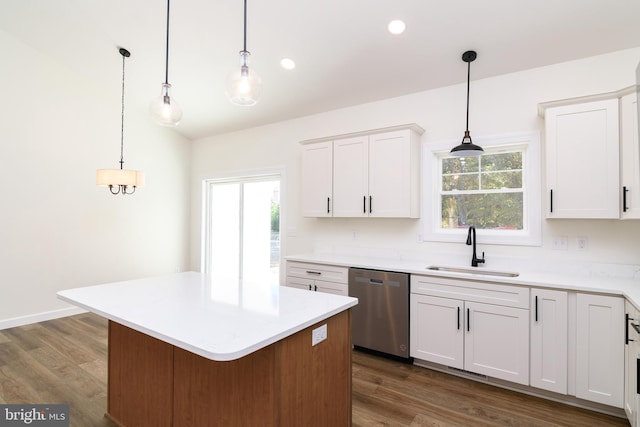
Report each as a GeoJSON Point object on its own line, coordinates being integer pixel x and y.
{"type": "Point", "coordinates": [287, 63]}
{"type": "Point", "coordinates": [396, 26]}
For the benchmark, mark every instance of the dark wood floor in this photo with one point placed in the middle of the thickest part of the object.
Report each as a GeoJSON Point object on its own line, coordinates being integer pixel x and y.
{"type": "Point", "coordinates": [65, 361]}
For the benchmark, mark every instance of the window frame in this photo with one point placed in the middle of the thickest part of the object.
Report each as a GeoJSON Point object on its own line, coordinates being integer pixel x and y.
{"type": "Point", "coordinates": [530, 235]}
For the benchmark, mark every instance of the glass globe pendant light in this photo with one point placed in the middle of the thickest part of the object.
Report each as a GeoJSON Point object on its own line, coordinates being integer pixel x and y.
{"type": "Point", "coordinates": [244, 85]}
{"type": "Point", "coordinates": [164, 109]}
{"type": "Point", "coordinates": [467, 148]}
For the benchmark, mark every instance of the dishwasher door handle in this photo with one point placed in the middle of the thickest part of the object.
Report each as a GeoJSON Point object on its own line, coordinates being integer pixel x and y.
{"type": "Point", "coordinates": [379, 282]}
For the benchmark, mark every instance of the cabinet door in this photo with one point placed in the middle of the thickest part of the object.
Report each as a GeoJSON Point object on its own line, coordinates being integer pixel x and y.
{"type": "Point", "coordinates": [630, 365]}
{"type": "Point", "coordinates": [582, 160]}
{"type": "Point", "coordinates": [331, 288]}
{"type": "Point", "coordinates": [549, 340]}
{"type": "Point", "coordinates": [317, 179]}
{"type": "Point", "coordinates": [630, 156]}
{"type": "Point", "coordinates": [600, 349]}
{"type": "Point", "coordinates": [390, 169]}
{"type": "Point", "coordinates": [436, 330]}
{"type": "Point", "coordinates": [497, 341]}
{"type": "Point", "coordinates": [297, 282]}
{"type": "Point", "coordinates": [351, 177]}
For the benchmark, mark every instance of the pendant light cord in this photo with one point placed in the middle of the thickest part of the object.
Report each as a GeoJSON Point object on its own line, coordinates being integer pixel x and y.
{"type": "Point", "coordinates": [166, 64]}
{"type": "Point", "coordinates": [122, 117]}
{"type": "Point", "coordinates": [468, 84]}
{"type": "Point", "coordinates": [245, 26]}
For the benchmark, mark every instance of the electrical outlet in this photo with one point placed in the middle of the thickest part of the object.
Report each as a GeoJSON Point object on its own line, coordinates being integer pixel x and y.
{"type": "Point", "coordinates": [560, 243]}
{"type": "Point", "coordinates": [319, 334]}
{"type": "Point", "coordinates": [582, 243]}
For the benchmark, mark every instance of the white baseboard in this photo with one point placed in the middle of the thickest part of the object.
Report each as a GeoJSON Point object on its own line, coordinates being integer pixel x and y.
{"type": "Point", "coordinates": [40, 317]}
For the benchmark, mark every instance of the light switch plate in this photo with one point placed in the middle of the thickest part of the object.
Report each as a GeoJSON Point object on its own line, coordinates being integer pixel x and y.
{"type": "Point", "coordinates": [319, 334]}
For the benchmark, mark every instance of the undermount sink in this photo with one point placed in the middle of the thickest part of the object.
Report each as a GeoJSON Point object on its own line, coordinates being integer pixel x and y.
{"type": "Point", "coordinates": [476, 271]}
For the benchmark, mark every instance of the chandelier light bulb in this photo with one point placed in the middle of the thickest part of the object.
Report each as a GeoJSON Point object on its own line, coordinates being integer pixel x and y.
{"type": "Point", "coordinates": [164, 109]}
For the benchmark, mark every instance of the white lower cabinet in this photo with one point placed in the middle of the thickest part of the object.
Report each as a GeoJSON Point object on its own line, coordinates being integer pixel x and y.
{"type": "Point", "coordinates": [549, 336]}
{"type": "Point", "coordinates": [436, 332]}
{"type": "Point", "coordinates": [632, 346]}
{"type": "Point", "coordinates": [486, 332]}
{"type": "Point", "coordinates": [569, 343]}
{"type": "Point", "coordinates": [600, 349]}
{"type": "Point", "coordinates": [497, 341]}
{"type": "Point", "coordinates": [318, 277]}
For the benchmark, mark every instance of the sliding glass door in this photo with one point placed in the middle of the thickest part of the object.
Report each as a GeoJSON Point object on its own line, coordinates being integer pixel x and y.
{"type": "Point", "coordinates": [242, 229]}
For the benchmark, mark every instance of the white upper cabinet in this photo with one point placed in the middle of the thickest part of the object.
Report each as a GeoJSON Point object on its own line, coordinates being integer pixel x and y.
{"type": "Point", "coordinates": [394, 169]}
{"type": "Point", "coordinates": [582, 160]}
{"type": "Point", "coordinates": [351, 176]}
{"type": "Point", "coordinates": [374, 174]}
{"type": "Point", "coordinates": [592, 156]}
{"type": "Point", "coordinates": [630, 156]}
{"type": "Point", "coordinates": [317, 179]}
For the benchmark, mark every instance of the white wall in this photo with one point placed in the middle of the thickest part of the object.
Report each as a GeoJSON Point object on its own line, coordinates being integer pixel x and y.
{"type": "Point", "coordinates": [498, 105]}
{"type": "Point", "coordinates": [58, 230]}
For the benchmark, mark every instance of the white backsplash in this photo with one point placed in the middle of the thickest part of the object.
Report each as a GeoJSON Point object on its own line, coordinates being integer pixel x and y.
{"type": "Point", "coordinates": [503, 263]}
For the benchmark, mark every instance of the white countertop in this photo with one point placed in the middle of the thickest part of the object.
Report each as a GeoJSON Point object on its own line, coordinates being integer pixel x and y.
{"type": "Point", "coordinates": [216, 319]}
{"type": "Point", "coordinates": [602, 278]}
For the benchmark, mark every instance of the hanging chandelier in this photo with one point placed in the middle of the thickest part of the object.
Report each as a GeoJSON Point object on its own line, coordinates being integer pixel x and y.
{"type": "Point", "coordinates": [244, 85]}
{"type": "Point", "coordinates": [467, 148]}
{"type": "Point", "coordinates": [121, 181]}
{"type": "Point", "coordinates": [164, 109]}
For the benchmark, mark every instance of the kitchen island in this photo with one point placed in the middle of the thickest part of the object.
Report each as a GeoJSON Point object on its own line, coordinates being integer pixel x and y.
{"type": "Point", "coordinates": [188, 350]}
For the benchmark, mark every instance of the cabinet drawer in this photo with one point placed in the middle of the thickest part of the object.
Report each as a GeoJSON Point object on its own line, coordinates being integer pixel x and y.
{"type": "Point", "coordinates": [327, 273]}
{"type": "Point", "coordinates": [470, 290]}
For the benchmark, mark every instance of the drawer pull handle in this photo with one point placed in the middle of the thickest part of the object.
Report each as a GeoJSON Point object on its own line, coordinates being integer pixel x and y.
{"type": "Point", "coordinates": [313, 272]}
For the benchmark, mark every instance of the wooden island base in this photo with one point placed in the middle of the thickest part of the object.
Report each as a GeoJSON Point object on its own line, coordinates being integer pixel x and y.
{"type": "Point", "coordinates": [289, 383]}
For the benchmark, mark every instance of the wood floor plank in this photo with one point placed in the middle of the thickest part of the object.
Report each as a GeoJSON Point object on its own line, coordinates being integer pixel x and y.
{"type": "Point", "coordinates": [440, 399]}
{"type": "Point", "coordinates": [65, 361]}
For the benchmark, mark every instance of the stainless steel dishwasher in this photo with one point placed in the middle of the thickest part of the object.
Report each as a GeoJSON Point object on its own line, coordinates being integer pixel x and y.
{"type": "Point", "coordinates": [380, 321]}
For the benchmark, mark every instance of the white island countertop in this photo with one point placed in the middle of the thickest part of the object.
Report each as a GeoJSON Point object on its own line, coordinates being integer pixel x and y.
{"type": "Point", "coordinates": [217, 319]}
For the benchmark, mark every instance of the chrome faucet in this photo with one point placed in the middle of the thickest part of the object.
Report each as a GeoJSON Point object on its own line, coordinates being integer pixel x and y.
{"type": "Point", "coordinates": [471, 240]}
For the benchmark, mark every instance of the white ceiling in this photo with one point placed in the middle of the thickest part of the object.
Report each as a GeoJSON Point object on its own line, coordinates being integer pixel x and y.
{"type": "Point", "coordinates": [344, 54]}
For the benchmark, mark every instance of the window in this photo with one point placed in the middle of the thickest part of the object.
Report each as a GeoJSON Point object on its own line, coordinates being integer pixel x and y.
{"type": "Point", "coordinates": [497, 193]}
{"type": "Point", "coordinates": [241, 231]}
{"type": "Point", "coordinates": [484, 191]}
